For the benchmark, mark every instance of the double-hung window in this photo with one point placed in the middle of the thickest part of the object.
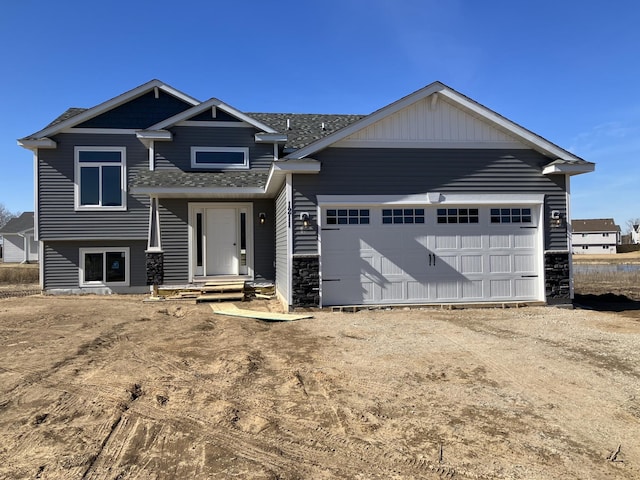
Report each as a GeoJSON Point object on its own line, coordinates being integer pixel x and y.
{"type": "Point", "coordinates": [100, 178]}
{"type": "Point", "coordinates": [220, 158]}
{"type": "Point", "coordinates": [104, 267]}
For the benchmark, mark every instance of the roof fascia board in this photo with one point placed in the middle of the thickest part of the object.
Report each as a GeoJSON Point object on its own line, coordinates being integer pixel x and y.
{"type": "Point", "coordinates": [34, 144]}
{"type": "Point", "coordinates": [197, 191]}
{"type": "Point", "coordinates": [112, 103]}
{"type": "Point", "coordinates": [270, 138]}
{"type": "Point", "coordinates": [366, 121]}
{"type": "Point", "coordinates": [212, 102]}
{"type": "Point", "coordinates": [568, 169]}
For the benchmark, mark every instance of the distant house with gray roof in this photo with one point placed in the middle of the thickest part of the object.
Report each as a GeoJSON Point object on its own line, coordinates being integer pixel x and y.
{"type": "Point", "coordinates": [19, 245]}
{"type": "Point", "coordinates": [595, 236]}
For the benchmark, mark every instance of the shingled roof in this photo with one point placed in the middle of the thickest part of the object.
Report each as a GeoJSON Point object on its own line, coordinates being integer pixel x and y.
{"type": "Point", "coordinates": [594, 225]}
{"type": "Point", "coordinates": [178, 178]}
{"type": "Point", "coordinates": [19, 224]}
{"type": "Point", "coordinates": [305, 128]}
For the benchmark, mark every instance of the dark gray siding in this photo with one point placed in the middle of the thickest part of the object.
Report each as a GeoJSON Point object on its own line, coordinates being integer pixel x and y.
{"type": "Point", "coordinates": [177, 153]}
{"type": "Point", "coordinates": [141, 112]}
{"type": "Point", "coordinates": [174, 226]}
{"type": "Point", "coordinates": [282, 228]}
{"type": "Point", "coordinates": [57, 217]}
{"type": "Point", "coordinates": [349, 171]}
{"type": "Point", "coordinates": [264, 241]}
{"type": "Point", "coordinates": [62, 262]}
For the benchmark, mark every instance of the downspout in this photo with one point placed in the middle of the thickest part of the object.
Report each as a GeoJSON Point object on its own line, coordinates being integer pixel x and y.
{"type": "Point", "coordinates": [569, 235]}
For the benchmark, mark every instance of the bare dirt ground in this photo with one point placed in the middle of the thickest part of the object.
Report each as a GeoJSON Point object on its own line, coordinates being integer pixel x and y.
{"type": "Point", "coordinates": [116, 388]}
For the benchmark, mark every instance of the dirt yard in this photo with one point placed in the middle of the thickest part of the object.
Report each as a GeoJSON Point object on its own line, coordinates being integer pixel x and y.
{"type": "Point", "coordinates": [116, 388]}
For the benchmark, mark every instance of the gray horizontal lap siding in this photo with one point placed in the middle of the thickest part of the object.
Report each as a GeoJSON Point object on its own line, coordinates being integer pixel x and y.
{"type": "Point", "coordinates": [350, 171]}
{"type": "Point", "coordinates": [62, 262]}
{"type": "Point", "coordinates": [177, 153]}
{"type": "Point", "coordinates": [282, 268]}
{"type": "Point", "coordinates": [174, 228]}
{"type": "Point", "coordinates": [56, 203]}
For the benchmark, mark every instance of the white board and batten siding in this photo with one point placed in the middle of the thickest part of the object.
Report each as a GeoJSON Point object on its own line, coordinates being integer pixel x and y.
{"type": "Point", "coordinates": [431, 262]}
{"type": "Point", "coordinates": [435, 123]}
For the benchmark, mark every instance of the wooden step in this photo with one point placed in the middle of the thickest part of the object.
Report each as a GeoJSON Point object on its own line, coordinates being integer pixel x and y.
{"type": "Point", "coordinates": [227, 287]}
{"type": "Point", "coordinates": [220, 296]}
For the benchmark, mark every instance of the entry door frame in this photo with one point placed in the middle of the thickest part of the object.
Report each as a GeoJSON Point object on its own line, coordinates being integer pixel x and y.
{"type": "Point", "coordinates": [197, 263]}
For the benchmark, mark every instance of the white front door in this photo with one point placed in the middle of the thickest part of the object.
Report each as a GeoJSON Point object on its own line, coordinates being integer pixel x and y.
{"type": "Point", "coordinates": [221, 241]}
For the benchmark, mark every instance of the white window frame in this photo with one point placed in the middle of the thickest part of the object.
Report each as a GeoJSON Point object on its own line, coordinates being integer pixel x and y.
{"type": "Point", "coordinates": [104, 251]}
{"type": "Point", "coordinates": [220, 166]}
{"type": "Point", "coordinates": [123, 178]}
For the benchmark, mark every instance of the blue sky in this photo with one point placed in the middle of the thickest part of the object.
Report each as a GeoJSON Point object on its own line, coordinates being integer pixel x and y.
{"type": "Point", "coordinates": [567, 70]}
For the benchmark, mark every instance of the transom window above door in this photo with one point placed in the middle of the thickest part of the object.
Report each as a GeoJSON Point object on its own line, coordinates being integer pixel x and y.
{"type": "Point", "coordinates": [220, 158]}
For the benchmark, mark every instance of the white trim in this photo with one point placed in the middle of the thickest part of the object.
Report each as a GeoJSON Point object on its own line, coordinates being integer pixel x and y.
{"type": "Point", "coordinates": [569, 226]}
{"type": "Point", "coordinates": [212, 123]}
{"type": "Point", "coordinates": [240, 207]}
{"type": "Point", "coordinates": [568, 169]}
{"type": "Point", "coordinates": [36, 198]}
{"type": "Point", "coordinates": [428, 144]}
{"type": "Point", "coordinates": [154, 219]}
{"type": "Point", "coordinates": [297, 166]}
{"type": "Point", "coordinates": [270, 137]}
{"type": "Point", "coordinates": [123, 178]}
{"type": "Point", "coordinates": [289, 214]}
{"type": "Point", "coordinates": [41, 264]}
{"type": "Point", "coordinates": [82, 251]}
{"type": "Point", "coordinates": [112, 103]}
{"type": "Point", "coordinates": [94, 239]}
{"type": "Point", "coordinates": [152, 155]}
{"type": "Point", "coordinates": [191, 112]}
{"type": "Point", "coordinates": [33, 144]}
{"type": "Point", "coordinates": [220, 166]}
{"type": "Point", "coordinates": [101, 131]}
{"type": "Point", "coordinates": [200, 192]}
{"type": "Point", "coordinates": [443, 199]}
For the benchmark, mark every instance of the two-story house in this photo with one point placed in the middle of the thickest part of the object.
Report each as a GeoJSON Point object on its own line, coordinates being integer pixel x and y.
{"type": "Point", "coordinates": [431, 199]}
{"type": "Point", "coordinates": [595, 236]}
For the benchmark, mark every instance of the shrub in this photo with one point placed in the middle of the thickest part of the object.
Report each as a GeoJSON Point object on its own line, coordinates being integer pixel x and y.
{"type": "Point", "coordinates": [22, 274]}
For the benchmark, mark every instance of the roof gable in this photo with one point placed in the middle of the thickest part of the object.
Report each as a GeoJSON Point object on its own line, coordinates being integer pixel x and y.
{"type": "Point", "coordinates": [432, 121]}
{"type": "Point", "coordinates": [74, 117]}
{"type": "Point", "coordinates": [196, 111]}
{"type": "Point", "coordinates": [436, 93]}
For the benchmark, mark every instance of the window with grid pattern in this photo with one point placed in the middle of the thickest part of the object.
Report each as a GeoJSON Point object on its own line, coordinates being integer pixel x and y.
{"type": "Point", "coordinates": [348, 216]}
{"type": "Point", "coordinates": [511, 215]}
{"type": "Point", "coordinates": [402, 215]}
{"type": "Point", "coordinates": [457, 215]}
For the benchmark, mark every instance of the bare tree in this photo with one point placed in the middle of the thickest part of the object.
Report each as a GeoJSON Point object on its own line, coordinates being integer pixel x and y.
{"type": "Point", "coordinates": [5, 215]}
{"type": "Point", "coordinates": [631, 223]}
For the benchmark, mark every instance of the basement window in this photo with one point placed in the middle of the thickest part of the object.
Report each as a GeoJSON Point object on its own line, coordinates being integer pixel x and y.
{"type": "Point", "coordinates": [104, 267]}
{"type": "Point", "coordinates": [220, 158]}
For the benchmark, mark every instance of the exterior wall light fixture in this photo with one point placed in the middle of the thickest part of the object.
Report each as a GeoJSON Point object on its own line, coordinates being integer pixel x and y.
{"type": "Point", "coordinates": [262, 217]}
{"type": "Point", "coordinates": [304, 216]}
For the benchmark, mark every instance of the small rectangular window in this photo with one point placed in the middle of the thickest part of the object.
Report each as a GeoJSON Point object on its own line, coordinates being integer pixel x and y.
{"type": "Point", "coordinates": [220, 158]}
{"type": "Point", "coordinates": [104, 267]}
{"type": "Point", "coordinates": [511, 215]}
{"type": "Point", "coordinates": [402, 216]}
{"type": "Point", "coordinates": [351, 216]}
{"type": "Point", "coordinates": [457, 215]}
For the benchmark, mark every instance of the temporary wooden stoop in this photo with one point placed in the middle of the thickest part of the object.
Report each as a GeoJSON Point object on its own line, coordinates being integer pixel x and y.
{"type": "Point", "coordinates": [216, 291]}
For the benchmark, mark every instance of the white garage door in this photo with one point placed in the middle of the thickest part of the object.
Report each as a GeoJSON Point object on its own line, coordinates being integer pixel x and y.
{"type": "Point", "coordinates": [381, 255]}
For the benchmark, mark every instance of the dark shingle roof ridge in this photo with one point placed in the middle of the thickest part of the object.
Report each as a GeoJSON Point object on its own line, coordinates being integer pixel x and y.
{"type": "Point", "coordinates": [67, 114]}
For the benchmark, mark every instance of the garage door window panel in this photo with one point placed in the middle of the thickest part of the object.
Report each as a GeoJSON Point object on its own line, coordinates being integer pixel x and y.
{"type": "Point", "coordinates": [347, 216]}
{"type": "Point", "coordinates": [511, 215]}
{"type": "Point", "coordinates": [457, 215]}
{"type": "Point", "coordinates": [395, 216]}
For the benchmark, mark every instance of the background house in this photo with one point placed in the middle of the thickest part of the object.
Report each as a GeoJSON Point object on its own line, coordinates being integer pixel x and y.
{"type": "Point", "coordinates": [19, 244]}
{"type": "Point", "coordinates": [597, 236]}
{"type": "Point", "coordinates": [635, 234]}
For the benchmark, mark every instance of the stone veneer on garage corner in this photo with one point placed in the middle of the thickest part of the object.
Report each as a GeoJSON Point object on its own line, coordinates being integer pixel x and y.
{"type": "Point", "coordinates": [557, 281]}
{"type": "Point", "coordinates": [306, 281]}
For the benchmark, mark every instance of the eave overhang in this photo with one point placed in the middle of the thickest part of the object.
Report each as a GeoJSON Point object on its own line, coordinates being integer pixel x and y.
{"type": "Point", "coordinates": [148, 136]}
{"type": "Point", "coordinates": [200, 192]}
{"type": "Point", "coordinates": [270, 138]}
{"type": "Point", "coordinates": [36, 143]}
{"type": "Point", "coordinates": [560, 167]}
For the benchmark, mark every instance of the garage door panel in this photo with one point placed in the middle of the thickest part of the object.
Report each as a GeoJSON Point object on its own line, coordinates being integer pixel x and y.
{"type": "Point", "coordinates": [409, 263]}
